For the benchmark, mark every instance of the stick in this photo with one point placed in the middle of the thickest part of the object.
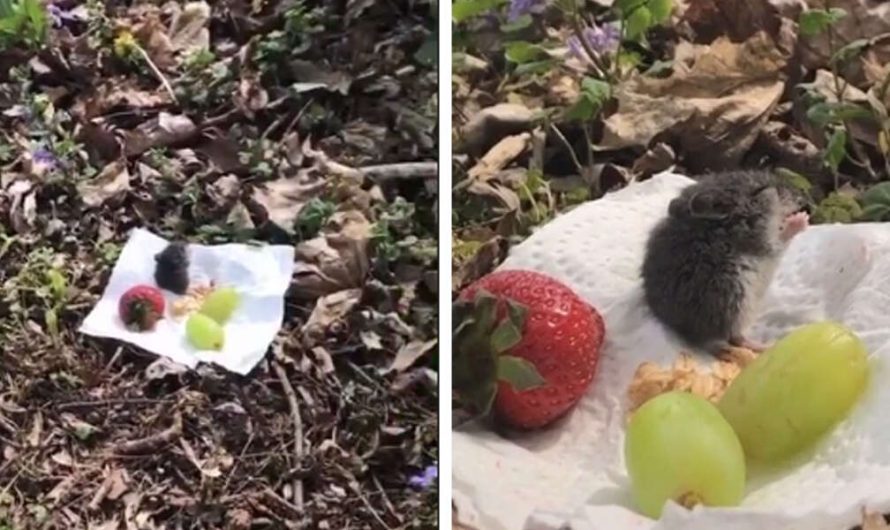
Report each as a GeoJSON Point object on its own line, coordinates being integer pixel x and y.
{"type": "Point", "coordinates": [153, 442]}
{"type": "Point", "coordinates": [403, 170]}
{"type": "Point", "coordinates": [298, 429]}
{"type": "Point", "coordinates": [158, 74]}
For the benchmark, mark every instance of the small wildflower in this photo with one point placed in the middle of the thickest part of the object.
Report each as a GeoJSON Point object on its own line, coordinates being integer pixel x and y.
{"type": "Point", "coordinates": [518, 8]}
{"type": "Point", "coordinates": [425, 479]}
{"type": "Point", "coordinates": [125, 45]}
{"type": "Point", "coordinates": [43, 161]}
{"type": "Point", "coordinates": [60, 16]}
{"type": "Point", "coordinates": [601, 39]}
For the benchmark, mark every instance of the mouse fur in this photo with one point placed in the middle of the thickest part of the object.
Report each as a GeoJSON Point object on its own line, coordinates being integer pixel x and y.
{"type": "Point", "coordinates": [709, 262]}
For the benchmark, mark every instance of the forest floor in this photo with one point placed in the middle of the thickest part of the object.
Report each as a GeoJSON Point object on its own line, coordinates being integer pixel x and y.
{"type": "Point", "coordinates": [302, 123]}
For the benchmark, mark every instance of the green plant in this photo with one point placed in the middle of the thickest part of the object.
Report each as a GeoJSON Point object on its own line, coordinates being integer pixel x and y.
{"type": "Point", "coordinates": [312, 217]}
{"type": "Point", "coordinates": [22, 22]}
{"type": "Point", "coordinates": [833, 117]}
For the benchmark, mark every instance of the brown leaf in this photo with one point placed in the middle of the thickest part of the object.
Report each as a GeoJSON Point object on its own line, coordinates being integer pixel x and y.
{"type": "Point", "coordinates": [189, 28]}
{"type": "Point", "coordinates": [738, 19]}
{"type": "Point", "coordinates": [717, 105]}
{"type": "Point", "coordinates": [251, 95]}
{"type": "Point", "coordinates": [164, 131]}
{"type": "Point", "coordinates": [499, 156]}
{"type": "Point", "coordinates": [110, 183]}
{"type": "Point", "coordinates": [483, 261]}
{"type": "Point", "coordinates": [410, 353]}
{"type": "Point", "coordinates": [335, 260]}
{"type": "Point", "coordinates": [282, 200]}
{"type": "Point", "coordinates": [488, 126]}
{"type": "Point", "coordinates": [329, 309]}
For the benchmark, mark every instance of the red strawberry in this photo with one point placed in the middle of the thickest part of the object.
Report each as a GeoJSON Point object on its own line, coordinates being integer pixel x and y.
{"type": "Point", "coordinates": [141, 307]}
{"type": "Point", "coordinates": [526, 344]}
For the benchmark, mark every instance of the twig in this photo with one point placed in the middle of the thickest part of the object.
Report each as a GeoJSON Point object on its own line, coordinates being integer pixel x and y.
{"type": "Point", "coordinates": [158, 74]}
{"type": "Point", "coordinates": [402, 170]}
{"type": "Point", "coordinates": [153, 442]}
{"type": "Point", "coordinates": [298, 429]}
{"type": "Point", "coordinates": [568, 146]}
{"type": "Point", "coordinates": [268, 492]}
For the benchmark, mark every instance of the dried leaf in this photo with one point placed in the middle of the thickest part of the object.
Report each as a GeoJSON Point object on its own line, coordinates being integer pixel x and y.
{"type": "Point", "coordinates": [487, 127]}
{"type": "Point", "coordinates": [499, 156]}
{"type": "Point", "coordinates": [718, 105]}
{"type": "Point", "coordinates": [409, 354]}
{"type": "Point", "coordinates": [189, 28]}
{"type": "Point", "coordinates": [112, 182]}
{"type": "Point", "coordinates": [283, 199]}
{"type": "Point", "coordinates": [337, 259]}
{"type": "Point", "coordinates": [164, 131]}
{"type": "Point", "coordinates": [329, 309]}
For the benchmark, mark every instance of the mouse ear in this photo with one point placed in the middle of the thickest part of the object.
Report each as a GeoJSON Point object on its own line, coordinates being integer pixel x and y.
{"type": "Point", "coordinates": [709, 204]}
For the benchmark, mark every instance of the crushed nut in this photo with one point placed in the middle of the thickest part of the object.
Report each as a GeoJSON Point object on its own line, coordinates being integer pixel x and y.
{"type": "Point", "coordinates": [191, 301]}
{"type": "Point", "coordinates": [687, 375]}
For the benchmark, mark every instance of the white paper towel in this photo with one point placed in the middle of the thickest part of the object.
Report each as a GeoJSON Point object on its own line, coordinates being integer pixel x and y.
{"type": "Point", "coordinates": [573, 473]}
{"type": "Point", "coordinates": [261, 275]}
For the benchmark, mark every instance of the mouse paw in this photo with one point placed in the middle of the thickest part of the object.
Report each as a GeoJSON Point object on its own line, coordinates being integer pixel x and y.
{"type": "Point", "coordinates": [794, 224]}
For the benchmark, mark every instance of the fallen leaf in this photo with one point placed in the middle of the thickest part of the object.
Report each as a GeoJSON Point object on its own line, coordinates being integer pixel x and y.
{"type": "Point", "coordinates": [283, 199]}
{"type": "Point", "coordinates": [164, 131]}
{"type": "Point", "coordinates": [718, 104]}
{"type": "Point", "coordinates": [329, 309]}
{"type": "Point", "coordinates": [109, 184]}
{"type": "Point", "coordinates": [491, 124]}
{"type": "Point", "coordinates": [336, 260]}
{"type": "Point", "coordinates": [189, 28]}
{"type": "Point", "coordinates": [500, 155]}
{"type": "Point", "coordinates": [312, 76]}
{"type": "Point", "coordinates": [409, 354]}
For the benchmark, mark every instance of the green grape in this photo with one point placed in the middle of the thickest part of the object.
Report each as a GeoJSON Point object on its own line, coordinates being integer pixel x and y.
{"type": "Point", "coordinates": [679, 447]}
{"type": "Point", "coordinates": [204, 333]}
{"type": "Point", "coordinates": [220, 304]}
{"type": "Point", "coordinates": [796, 391]}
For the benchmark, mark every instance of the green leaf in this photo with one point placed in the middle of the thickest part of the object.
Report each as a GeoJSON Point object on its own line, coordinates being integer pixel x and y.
{"type": "Point", "coordinates": [661, 10]}
{"type": "Point", "coordinates": [826, 113]}
{"type": "Point", "coordinates": [536, 67]}
{"type": "Point", "coordinates": [521, 52]}
{"type": "Point", "coordinates": [876, 202]}
{"type": "Point", "coordinates": [849, 51]}
{"type": "Point", "coordinates": [428, 53]}
{"type": "Point", "coordinates": [836, 149]}
{"type": "Point", "coordinates": [520, 23]}
{"type": "Point", "coordinates": [505, 336]}
{"type": "Point", "coordinates": [519, 373]}
{"type": "Point", "coordinates": [837, 208]}
{"type": "Point", "coordinates": [876, 213]}
{"type": "Point", "coordinates": [598, 90]}
{"type": "Point", "coordinates": [638, 23]}
{"type": "Point", "coordinates": [626, 7]}
{"type": "Point", "coordinates": [795, 179]}
{"type": "Point", "coordinates": [816, 21]}
{"type": "Point", "coordinates": [463, 10]}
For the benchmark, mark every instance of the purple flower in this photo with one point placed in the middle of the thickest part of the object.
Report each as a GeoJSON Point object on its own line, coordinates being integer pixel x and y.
{"type": "Point", "coordinates": [601, 39]}
{"type": "Point", "coordinates": [519, 8]}
{"type": "Point", "coordinates": [43, 161]}
{"type": "Point", "coordinates": [59, 16]}
{"type": "Point", "coordinates": [426, 478]}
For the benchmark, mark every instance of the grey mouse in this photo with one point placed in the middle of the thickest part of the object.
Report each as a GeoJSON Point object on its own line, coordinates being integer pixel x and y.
{"type": "Point", "coordinates": [709, 262]}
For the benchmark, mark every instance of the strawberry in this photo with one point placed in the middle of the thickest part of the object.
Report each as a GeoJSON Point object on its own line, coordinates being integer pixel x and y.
{"type": "Point", "coordinates": [141, 307]}
{"type": "Point", "coordinates": [525, 345]}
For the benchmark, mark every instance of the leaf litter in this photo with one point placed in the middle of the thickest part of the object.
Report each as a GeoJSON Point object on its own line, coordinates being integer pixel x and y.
{"type": "Point", "coordinates": [298, 122]}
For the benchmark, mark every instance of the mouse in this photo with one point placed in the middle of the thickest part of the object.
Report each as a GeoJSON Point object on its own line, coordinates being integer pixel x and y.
{"type": "Point", "coordinates": [709, 262]}
{"type": "Point", "coordinates": [171, 268]}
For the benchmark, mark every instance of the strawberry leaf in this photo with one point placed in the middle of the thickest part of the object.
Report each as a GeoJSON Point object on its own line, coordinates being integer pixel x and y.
{"type": "Point", "coordinates": [519, 373]}
{"type": "Point", "coordinates": [504, 337]}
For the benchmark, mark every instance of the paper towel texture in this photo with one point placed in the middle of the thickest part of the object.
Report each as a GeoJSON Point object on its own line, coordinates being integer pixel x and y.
{"type": "Point", "coordinates": [574, 472]}
{"type": "Point", "coordinates": [261, 275]}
